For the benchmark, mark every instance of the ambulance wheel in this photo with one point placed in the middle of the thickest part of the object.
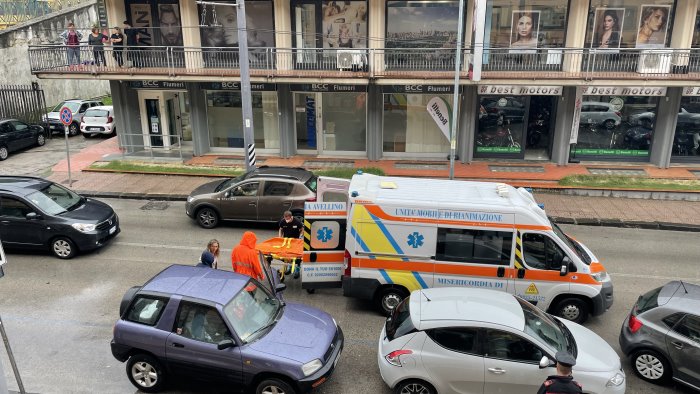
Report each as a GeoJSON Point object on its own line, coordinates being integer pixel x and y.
{"type": "Point", "coordinates": [311, 291]}
{"type": "Point", "coordinates": [573, 309]}
{"type": "Point", "coordinates": [389, 298]}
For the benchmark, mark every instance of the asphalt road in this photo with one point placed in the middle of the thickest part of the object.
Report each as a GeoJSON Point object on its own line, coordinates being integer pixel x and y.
{"type": "Point", "coordinates": [59, 314]}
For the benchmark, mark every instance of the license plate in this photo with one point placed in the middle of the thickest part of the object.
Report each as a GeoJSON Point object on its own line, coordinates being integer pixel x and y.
{"type": "Point", "coordinates": [94, 128]}
{"type": "Point", "coordinates": [112, 230]}
{"type": "Point", "coordinates": [53, 127]}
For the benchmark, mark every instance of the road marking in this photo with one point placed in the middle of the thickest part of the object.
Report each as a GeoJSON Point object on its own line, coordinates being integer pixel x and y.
{"type": "Point", "coordinates": [158, 246]}
{"type": "Point", "coordinates": [649, 276]}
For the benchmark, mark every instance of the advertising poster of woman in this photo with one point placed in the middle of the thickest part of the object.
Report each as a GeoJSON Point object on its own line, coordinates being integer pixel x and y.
{"type": "Point", "coordinates": [525, 28]}
{"type": "Point", "coordinates": [344, 24]}
{"type": "Point", "coordinates": [607, 31]}
{"type": "Point", "coordinates": [653, 26]}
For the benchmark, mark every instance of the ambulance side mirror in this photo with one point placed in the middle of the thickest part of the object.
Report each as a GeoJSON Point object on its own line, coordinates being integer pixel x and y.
{"type": "Point", "coordinates": [564, 266]}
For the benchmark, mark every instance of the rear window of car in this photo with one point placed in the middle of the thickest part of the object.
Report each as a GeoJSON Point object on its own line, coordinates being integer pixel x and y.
{"type": "Point", "coordinates": [97, 113]}
{"type": "Point", "coordinates": [399, 323]}
{"type": "Point", "coordinates": [647, 301]}
{"type": "Point", "coordinates": [146, 310]}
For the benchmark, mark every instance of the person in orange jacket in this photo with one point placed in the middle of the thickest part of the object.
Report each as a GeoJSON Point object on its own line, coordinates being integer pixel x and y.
{"type": "Point", "coordinates": [244, 257]}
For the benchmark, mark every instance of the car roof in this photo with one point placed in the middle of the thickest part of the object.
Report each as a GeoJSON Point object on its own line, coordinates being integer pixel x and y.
{"type": "Point", "coordinates": [102, 107]}
{"type": "Point", "coordinates": [681, 295]}
{"type": "Point", "coordinates": [197, 282]}
{"type": "Point", "coordinates": [437, 305]}
{"type": "Point", "coordinates": [22, 185]}
{"type": "Point", "coordinates": [298, 173]}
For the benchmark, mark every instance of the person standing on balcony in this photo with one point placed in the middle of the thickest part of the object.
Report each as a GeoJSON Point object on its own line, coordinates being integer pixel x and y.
{"type": "Point", "coordinates": [71, 39]}
{"type": "Point", "coordinates": [117, 39]}
{"type": "Point", "coordinates": [96, 41]}
{"type": "Point", "coordinates": [132, 42]}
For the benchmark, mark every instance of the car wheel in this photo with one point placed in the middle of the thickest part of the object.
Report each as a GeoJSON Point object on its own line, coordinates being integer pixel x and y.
{"type": "Point", "coordinates": [4, 153]}
{"type": "Point", "coordinates": [274, 386]}
{"type": "Point", "coordinates": [145, 372]}
{"type": "Point", "coordinates": [207, 218]}
{"type": "Point", "coordinates": [651, 366]}
{"type": "Point", "coordinates": [389, 298]}
{"type": "Point", "coordinates": [573, 309]}
{"type": "Point", "coordinates": [73, 129]}
{"type": "Point", "coordinates": [414, 387]}
{"type": "Point", "coordinates": [609, 124]}
{"type": "Point", "coordinates": [41, 139]}
{"type": "Point", "coordinates": [63, 248]}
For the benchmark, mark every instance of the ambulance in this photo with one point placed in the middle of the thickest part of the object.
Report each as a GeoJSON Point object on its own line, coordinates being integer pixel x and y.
{"type": "Point", "coordinates": [394, 235]}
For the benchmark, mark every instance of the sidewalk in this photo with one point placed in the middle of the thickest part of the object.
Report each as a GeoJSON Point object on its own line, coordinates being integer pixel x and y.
{"type": "Point", "coordinates": [619, 212]}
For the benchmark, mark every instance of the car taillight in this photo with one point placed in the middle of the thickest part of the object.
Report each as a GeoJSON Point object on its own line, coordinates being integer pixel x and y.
{"type": "Point", "coordinates": [311, 199]}
{"type": "Point", "coordinates": [634, 324]}
{"type": "Point", "coordinates": [110, 119]}
{"type": "Point", "coordinates": [347, 263]}
{"type": "Point", "coordinates": [393, 357]}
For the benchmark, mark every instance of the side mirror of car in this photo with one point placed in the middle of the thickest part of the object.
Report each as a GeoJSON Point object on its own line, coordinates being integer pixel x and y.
{"type": "Point", "coordinates": [32, 216]}
{"type": "Point", "coordinates": [225, 344]}
{"type": "Point", "coordinates": [280, 287]}
{"type": "Point", "coordinates": [545, 362]}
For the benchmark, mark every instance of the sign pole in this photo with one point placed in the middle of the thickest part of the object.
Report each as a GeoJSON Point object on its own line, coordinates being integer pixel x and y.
{"type": "Point", "coordinates": [455, 97]}
{"type": "Point", "coordinates": [66, 116]}
{"type": "Point", "coordinates": [70, 178]}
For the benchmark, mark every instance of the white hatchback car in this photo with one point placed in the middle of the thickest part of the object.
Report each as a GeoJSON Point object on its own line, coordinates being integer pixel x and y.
{"type": "Point", "coordinates": [461, 340]}
{"type": "Point", "coordinates": [98, 120]}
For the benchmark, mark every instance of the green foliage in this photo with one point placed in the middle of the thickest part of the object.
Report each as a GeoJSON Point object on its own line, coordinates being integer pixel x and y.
{"type": "Point", "coordinates": [629, 182]}
{"type": "Point", "coordinates": [347, 173]}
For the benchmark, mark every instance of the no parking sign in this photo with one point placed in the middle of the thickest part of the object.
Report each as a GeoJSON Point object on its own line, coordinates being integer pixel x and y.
{"type": "Point", "coordinates": [66, 116]}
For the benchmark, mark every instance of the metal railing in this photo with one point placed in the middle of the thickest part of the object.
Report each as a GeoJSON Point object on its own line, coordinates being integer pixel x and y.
{"type": "Point", "coordinates": [153, 145]}
{"type": "Point", "coordinates": [586, 63]}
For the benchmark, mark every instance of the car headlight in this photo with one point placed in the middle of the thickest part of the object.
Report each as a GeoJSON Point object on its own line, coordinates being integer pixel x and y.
{"type": "Point", "coordinates": [311, 367]}
{"type": "Point", "coordinates": [616, 380]}
{"type": "Point", "coordinates": [83, 227]}
{"type": "Point", "coordinates": [190, 199]}
{"type": "Point", "coordinates": [601, 276]}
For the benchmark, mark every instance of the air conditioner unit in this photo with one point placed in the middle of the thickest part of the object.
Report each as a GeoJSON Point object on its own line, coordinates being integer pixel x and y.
{"type": "Point", "coordinates": [350, 59]}
{"type": "Point", "coordinates": [655, 61]}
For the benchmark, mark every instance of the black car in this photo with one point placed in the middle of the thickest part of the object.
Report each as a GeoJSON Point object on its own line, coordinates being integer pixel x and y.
{"type": "Point", "coordinates": [16, 135]}
{"type": "Point", "coordinates": [37, 213]}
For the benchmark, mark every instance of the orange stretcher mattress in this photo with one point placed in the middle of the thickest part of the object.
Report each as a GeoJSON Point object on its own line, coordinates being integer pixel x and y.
{"type": "Point", "coordinates": [280, 248]}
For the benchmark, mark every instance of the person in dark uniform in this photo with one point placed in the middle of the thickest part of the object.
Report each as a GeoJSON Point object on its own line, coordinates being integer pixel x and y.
{"type": "Point", "coordinates": [290, 227]}
{"type": "Point", "coordinates": [562, 382]}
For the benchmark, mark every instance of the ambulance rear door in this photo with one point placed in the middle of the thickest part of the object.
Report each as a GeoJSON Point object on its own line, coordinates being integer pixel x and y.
{"type": "Point", "coordinates": [324, 244]}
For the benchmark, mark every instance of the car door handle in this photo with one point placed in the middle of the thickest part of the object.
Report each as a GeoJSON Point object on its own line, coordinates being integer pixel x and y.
{"type": "Point", "coordinates": [678, 345]}
{"type": "Point", "coordinates": [497, 371]}
{"type": "Point", "coordinates": [175, 344]}
{"type": "Point", "coordinates": [253, 203]}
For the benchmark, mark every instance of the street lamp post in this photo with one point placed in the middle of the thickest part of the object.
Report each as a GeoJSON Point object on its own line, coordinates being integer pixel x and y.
{"type": "Point", "coordinates": [455, 95]}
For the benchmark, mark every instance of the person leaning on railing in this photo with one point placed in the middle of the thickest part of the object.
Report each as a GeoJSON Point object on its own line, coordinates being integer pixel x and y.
{"type": "Point", "coordinates": [71, 39]}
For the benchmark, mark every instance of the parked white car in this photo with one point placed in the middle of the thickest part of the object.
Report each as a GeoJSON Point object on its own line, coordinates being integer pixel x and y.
{"type": "Point", "coordinates": [465, 340]}
{"type": "Point", "coordinates": [98, 120]}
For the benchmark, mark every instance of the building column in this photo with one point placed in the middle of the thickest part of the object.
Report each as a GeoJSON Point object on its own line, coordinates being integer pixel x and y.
{"type": "Point", "coordinates": [191, 39]}
{"type": "Point", "coordinates": [682, 34]}
{"type": "Point", "coordinates": [285, 104]}
{"type": "Point", "coordinates": [116, 13]}
{"type": "Point", "coordinates": [283, 35]}
{"type": "Point", "coordinates": [575, 35]}
{"type": "Point", "coordinates": [198, 119]}
{"type": "Point", "coordinates": [665, 129]}
{"type": "Point", "coordinates": [128, 113]}
{"type": "Point", "coordinates": [376, 35]}
{"type": "Point", "coordinates": [375, 134]}
{"type": "Point", "coordinates": [563, 121]}
{"type": "Point", "coordinates": [467, 126]}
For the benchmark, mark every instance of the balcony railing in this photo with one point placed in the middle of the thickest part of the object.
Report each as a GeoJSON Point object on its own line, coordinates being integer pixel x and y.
{"type": "Point", "coordinates": [498, 63]}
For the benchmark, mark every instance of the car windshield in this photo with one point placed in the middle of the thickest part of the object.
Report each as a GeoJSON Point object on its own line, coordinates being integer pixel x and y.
{"type": "Point", "coordinates": [572, 244]}
{"type": "Point", "coordinates": [229, 182]}
{"type": "Point", "coordinates": [252, 311]}
{"type": "Point", "coordinates": [72, 106]}
{"type": "Point", "coordinates": [55, 199]}
{"type": "Point", "coordinates": [312, 183]}
{"type": "Point", "coordinates": [547, 329]}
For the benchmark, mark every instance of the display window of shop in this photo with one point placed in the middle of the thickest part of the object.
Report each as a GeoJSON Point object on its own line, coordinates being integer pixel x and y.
{"type": "Point", "coordinates": [158, 21]}
{"type": "Point", "coordinates": [686, 140]}
{"type": "Point", "coordinates": [225, 119]}
{"type": "Point", "coordinates": [408, 127]}
{"type": "Point", "coordinates": [331, 120]}
{"type": "Point", "coordinates": [616, 126]}
{"type": "Point", "coordinates": [615, 24]}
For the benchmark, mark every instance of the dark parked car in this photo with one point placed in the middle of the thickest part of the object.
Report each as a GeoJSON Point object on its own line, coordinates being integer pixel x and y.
{"type": "Point", "coordinates": [262, 194]}
{"type": "Point", "coordinates": [37, 213]}
{"type": "Point", "coordinates": [221, 327]}
{"type": "Point", "coordinates": [661, 335]}
{"type": "Point", "coordinates": [16, 135]}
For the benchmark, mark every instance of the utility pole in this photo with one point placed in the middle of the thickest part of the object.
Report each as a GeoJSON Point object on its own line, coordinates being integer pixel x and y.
{"type": "Point", "coordinates": [246, 99]}
{"type": "Point", "coordinates": [455, 96]}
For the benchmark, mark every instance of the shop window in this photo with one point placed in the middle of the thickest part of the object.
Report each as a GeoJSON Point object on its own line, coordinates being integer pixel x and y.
{"type": "Point", "coordinates": [616, 126]}
{"type": "Point", "coordinates": [344, 121]}
{"type": "Point", "coordinates": [686, 142]}
{"type": "Point", "coordinates": [474, 246]}
{"type": "Point", "coordinates": [614, 24]}
{"type": "Point", "coordinates": [408, 127]}
{"type": "Point", "coordinates": [501, 124]}
{"type": "Point", "coordinates": [225, 119]}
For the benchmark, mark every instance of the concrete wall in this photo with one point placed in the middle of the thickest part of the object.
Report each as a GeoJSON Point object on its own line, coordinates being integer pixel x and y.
{"type": "Point", "coordinates": [15, 41]}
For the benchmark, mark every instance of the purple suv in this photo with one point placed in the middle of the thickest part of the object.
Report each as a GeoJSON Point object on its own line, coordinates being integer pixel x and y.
{"type": "Point", "coordinates": [219, 326]}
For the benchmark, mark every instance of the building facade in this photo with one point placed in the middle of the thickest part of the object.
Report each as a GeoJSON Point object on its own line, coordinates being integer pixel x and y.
{"type": "Point", "coordinates": [551, 80]}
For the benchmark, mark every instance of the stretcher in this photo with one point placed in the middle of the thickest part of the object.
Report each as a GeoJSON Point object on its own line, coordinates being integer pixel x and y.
{"type": "Point", "coordinates": [285, 254]}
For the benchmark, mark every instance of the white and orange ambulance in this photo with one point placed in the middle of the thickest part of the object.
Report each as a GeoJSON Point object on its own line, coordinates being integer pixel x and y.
{"type": "Point", "coordinates": [395, 235]}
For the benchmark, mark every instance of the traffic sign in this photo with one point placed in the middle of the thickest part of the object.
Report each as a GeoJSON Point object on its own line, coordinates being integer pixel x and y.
{"type": "Point", "coordinates": [66, 116]}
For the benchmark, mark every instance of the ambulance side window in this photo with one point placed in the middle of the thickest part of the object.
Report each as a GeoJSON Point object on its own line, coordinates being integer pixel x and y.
{"type": "Point", "coordinates": [474, 246]}
{"type": "Point", "coordinates": [541, 252]}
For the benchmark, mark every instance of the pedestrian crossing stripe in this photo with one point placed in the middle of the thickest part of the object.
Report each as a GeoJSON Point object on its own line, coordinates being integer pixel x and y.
{"type": "Point", "coordinates": [532, 289]}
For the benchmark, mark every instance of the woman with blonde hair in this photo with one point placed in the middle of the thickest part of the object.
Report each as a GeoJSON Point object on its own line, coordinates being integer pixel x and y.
{"type": "Point", "coordinates": [214, 249]}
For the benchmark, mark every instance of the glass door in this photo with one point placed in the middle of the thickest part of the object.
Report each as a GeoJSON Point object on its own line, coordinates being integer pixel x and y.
{"type": "Point", "coordinates": [155, 127]}
{"type": "Point", "coordinates": [538, 138]}
{"type": "Point", "coordinates": [307, 119]}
